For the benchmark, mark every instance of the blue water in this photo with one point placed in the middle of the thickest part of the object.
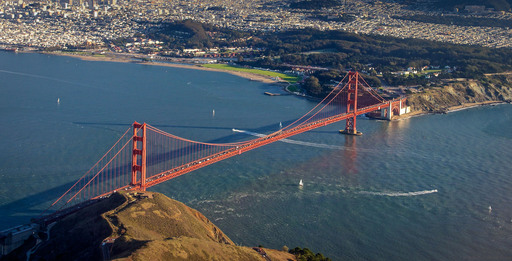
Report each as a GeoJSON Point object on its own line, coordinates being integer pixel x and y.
{"type": "Point", "coordinates": [417, 189]}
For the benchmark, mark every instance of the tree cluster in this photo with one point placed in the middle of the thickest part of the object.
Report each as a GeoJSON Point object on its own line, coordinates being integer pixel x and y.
{"type": "Point", "coordinates": [315, 4]}
{"type": "Point", "coordinates": [304, 254]}
{"type": "Point", "coordinates": [498, 5]}
{"type": "Point", "coordinates": [337, 49]}
{"type": "Point", "coordinates": [341, 50]}
{"type": "Point", "coordinates": [191, 34]}
{"type": "Point", "coordinates": [320, 83]}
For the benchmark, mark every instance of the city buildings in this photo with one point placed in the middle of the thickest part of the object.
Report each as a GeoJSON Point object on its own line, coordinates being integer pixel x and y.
{"type": "Point", "coordinates": [54, 24]}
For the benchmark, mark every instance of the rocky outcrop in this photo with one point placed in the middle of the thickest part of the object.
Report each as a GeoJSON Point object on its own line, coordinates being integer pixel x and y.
{"type": "Point", "coordinates": [457, 92]}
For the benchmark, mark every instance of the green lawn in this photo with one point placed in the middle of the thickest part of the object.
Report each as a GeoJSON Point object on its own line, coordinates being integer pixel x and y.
{"type": "Point", "coordinates": [76, 52]}
{"type": "Point", "coordinates": [84, 53]}
{"type": "Point", "coordinates": [286, 77]}
{"type": "Point", "coordinates": [432, 71]}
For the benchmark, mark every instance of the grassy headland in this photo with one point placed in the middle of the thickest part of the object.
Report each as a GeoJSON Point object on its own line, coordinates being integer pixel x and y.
{"type": "Point", "coordinates": [139, 226]}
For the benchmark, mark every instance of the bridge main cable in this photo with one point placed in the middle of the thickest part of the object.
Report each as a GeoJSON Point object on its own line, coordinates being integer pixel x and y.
{"type": "Point", "coordinates": [162, 156]}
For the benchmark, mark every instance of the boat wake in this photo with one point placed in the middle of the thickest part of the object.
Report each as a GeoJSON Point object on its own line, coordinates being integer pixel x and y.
{"type": "Point", "coordinates": [42, 77]}
{"type": "Point", "coordinates": [399, 194]}
{"type": "Point", "coordinates": [303, 143]}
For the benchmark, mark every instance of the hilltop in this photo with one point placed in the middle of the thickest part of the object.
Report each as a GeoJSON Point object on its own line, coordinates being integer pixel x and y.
{"type": "Point", "coordinates": [139, 226]}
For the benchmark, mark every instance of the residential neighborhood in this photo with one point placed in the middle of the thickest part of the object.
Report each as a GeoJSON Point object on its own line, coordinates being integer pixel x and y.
{"type": "Point", "coordinates": [53, 24]}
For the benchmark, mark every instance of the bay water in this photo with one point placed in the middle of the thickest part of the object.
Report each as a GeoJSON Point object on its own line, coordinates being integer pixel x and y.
{"type": "Point", "coordinates": [435, 187]}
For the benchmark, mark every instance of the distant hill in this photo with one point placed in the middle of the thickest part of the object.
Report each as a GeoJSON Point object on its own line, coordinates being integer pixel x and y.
{"type": "Point", "coordinates": [498, 5]}
{"type": "Point", "coordinates": [139, 226]}
{"type": "Point", "coordinates": [314, 4]}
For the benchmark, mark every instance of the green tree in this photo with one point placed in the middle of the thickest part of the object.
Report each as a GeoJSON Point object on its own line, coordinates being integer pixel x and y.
{"type": "Point", "coordinates": [304, 254]}
{"type": "Point", "coordinates": [312, 86]}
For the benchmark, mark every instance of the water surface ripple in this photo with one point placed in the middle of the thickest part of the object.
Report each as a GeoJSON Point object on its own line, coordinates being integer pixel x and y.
{"type": "Point", "coordinates": [417, 189]}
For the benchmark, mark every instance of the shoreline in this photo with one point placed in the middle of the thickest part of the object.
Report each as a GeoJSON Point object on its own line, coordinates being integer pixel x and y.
{"type": "Point", "coordinates": [110, 57]}
{"type": "Point", "coordinates": [466, 106]}
{"type": "Point", "coordinates": [451, 109]}
{"type": "Point", "coordinates": [130, 59]}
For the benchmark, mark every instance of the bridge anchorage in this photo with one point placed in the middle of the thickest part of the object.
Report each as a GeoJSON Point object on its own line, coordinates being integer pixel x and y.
{"type": "Point", "coordinates": [147, 156]}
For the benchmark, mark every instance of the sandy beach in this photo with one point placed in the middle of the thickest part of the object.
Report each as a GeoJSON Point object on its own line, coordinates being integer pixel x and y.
{"type": "Point", "coordinates": [109, 57]}
{"type": "Point", "coordinates": [130, 59]}
{"type": "Point", "coordinates": [472, 105]}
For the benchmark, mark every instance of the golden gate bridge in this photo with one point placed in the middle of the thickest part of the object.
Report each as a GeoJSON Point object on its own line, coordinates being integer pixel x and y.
{"type": "Point", "coordinates": [145, 156]}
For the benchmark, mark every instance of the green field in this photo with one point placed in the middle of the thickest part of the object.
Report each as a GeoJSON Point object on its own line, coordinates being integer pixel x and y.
{"type": "Point", "coordinates": [84, 53]}
{"type": "Point", "coordinates": [431, 71]}
{"type": "Point", "coordinates": [285, 77]}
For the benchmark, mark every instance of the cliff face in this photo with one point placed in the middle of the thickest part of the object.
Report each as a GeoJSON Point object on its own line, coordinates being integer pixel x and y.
{"type": "Point", "coordinates": [139, 226]}
{"type": "Point", "coordinates": [458, 92]}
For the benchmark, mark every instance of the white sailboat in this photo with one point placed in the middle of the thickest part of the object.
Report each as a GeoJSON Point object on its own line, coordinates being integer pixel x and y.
{"type": "Point", "coordinates": [280, 125]}
{"type": "Point", "coordinates": [213, 113]}
{"type": "Point", "coordinates": [58, 100]}
{"type": "Point", "coordinates": [301, 184]}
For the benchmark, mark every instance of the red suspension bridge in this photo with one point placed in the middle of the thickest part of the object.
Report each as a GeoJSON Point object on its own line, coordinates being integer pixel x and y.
{"type": "Point", "coordinates": [145, 156]}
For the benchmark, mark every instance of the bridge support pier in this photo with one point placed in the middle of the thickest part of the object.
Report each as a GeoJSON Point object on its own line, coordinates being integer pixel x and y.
{"type": "Point", "coordinates": [139, 156]}
{"type": "Point", "coordinates": [350, 127]}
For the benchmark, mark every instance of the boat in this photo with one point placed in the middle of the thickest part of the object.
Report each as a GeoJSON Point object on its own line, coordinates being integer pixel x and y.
{"type": "Point", "coordinates": [58, 100]}
{"type": "Point", "coordinates": [301, 184]}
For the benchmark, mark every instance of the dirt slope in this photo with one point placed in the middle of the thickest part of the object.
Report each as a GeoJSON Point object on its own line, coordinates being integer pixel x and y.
{"type": "Point", "coordinates": [139, 226]}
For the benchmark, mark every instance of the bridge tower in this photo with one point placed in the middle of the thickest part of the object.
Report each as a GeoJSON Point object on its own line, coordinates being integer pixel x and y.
{"type": "Point", "coordinates": [352, 86]}
{"type": "Point", "coordinates": [139, 156]}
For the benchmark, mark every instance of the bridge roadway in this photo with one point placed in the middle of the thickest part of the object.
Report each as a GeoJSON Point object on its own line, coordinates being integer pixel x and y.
{"type": "Point", "coordinates": [237, 150]}
{"type": "Point", "coordinates": [44, 221]}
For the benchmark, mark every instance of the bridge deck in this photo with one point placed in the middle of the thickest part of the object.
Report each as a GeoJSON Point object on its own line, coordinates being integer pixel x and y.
{"type": "Point", "coordinates": [276, 136]}
{"type": "Point", "coordinates": [136, 164]}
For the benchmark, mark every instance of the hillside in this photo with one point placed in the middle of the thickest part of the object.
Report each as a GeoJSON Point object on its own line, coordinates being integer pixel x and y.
{"type": "Point", "coordinates": [498, 5]}
{"type": "Point", "coordinates": [140, 226]}
{"type": "Point", "coordinates": [463, 92]}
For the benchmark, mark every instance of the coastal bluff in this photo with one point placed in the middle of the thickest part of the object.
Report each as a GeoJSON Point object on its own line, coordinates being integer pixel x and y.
{"type": "Point", "coordinates": [138, 226]}
{"type": "Point", "coordinates": [460, 93]}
